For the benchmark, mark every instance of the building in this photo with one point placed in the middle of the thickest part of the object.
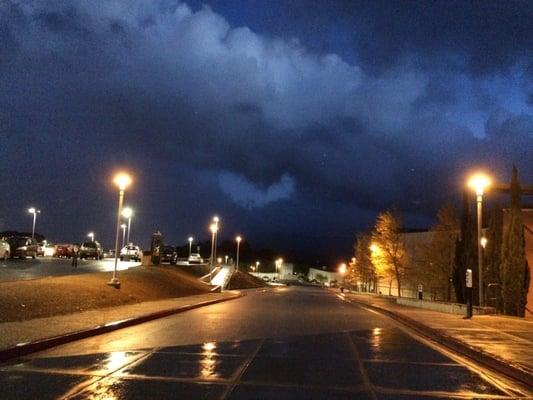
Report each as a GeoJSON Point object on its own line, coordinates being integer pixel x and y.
{"type": "Point", "coordinates": [323, 276]}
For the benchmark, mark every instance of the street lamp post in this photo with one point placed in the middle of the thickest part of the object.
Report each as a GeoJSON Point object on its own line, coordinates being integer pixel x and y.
{"type": "Point", "coordinates": [34, 212]}
{"type": "Point", "coordinates": [479, 183]}
{"type": "Point", "coordinates": [238, 240]}
{"type": "Point", "coordinates": [190, 244]}
{"type": "Point", "coordinates": [213, 228]}
{"type": "Point", "coordinates": [123, 226]}
{"type": "Point", "coordinates": [128, 213]}
{"type": "Point", "coordinates": [91, 235]}
{"type": "Point", "coordinates": [215, 221]}
{"type": "Point", "coordinates": [122, 180]}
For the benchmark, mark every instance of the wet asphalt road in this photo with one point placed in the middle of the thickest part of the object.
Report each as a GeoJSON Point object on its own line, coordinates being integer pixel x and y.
{"type": "Point", "coordinates": [15, 269]}
{"type": "Point", "coordinates": [287, 343]}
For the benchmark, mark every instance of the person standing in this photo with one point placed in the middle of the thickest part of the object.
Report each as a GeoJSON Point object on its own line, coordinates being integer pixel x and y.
{"type": "Point", "coordinates": [75, 253]}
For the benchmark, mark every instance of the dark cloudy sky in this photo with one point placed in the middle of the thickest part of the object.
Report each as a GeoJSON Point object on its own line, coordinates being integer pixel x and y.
{"type": "Point", "coordinates": [295, 121]}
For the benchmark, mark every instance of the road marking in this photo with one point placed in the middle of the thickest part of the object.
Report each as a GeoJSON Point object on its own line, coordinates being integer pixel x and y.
{"type": "Point", "coordinates": [240, 372]}
{"type": "Point", "coordinates": [358, 360]}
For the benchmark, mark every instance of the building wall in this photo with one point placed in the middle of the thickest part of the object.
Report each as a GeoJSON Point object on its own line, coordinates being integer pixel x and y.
{"type": "Point", "coordinates": [528, 235]}
{"type": "Point", "coordinates": [330, 276]}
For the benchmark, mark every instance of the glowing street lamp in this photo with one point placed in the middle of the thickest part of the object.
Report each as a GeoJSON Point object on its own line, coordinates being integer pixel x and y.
{"type": "Point", "coordinates": [190, 244]}
{"type": "Point", "coordinates": [213, 228]}
{"type": "Point", "coordinates": [342, 268]}
{"type": "Point", "coordinates": [238, 239]}
{"type": "Point", "coordinates": [122, 180]}
{"type": "Point", "coordinates": [484, 242]}
{"type": "Point", "coordinates": [374, 248]}
{"type": "Point", "coordinates": [479, 182]}
{"type": "Point", "coordinates": [128, 213]}
{"type": "Point", "coordinates": [123, 226]}
{"type": "Point", "coordinates": [257, 266]}
{"type": "Point", "coordinates": [215, 221]}
{"type": "Point", "coordinates": [34, 212]}
{"type": "Point", "coordinates": [91, 235]}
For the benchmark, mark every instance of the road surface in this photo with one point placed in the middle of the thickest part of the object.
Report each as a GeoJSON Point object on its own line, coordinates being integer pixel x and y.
{"type": "Point", "coordinates": [15, 269]}
{"type": "Point", "coordinates": [284, 343]}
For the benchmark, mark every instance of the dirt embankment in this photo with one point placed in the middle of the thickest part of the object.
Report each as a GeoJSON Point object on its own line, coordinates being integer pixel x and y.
{"type": "Point", "coordinates": [242, 280]}
{"type": "Point", "coordinates": [45, 297]}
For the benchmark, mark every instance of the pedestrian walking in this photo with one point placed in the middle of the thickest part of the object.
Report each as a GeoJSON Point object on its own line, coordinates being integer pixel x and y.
{"type": "Point", "coordinates": [75, 254]}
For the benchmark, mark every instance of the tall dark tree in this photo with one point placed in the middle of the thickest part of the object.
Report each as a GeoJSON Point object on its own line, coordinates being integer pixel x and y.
{"type": "Point", "coordinates": [514, 269]}
{"type": "Point", "coordinates": [492, 257]}
{"type": "Point", "coordinates": [465, 252]}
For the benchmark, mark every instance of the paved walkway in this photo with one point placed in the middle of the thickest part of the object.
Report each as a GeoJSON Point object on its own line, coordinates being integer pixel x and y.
{"type": "Point", "coordinates": [505, 338]}
{"type": "Point", "coordinates": [14, 333]}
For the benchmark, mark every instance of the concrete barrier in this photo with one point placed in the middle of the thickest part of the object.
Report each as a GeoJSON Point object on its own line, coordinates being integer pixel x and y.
{"type": "Point", "coordinates": [450, 308]}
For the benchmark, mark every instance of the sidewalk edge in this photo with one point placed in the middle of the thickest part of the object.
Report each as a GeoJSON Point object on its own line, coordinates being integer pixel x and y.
{"type": "Point", "coordinates": [487, 360]}
{"type": "Point", "coordinates": [44, 344]}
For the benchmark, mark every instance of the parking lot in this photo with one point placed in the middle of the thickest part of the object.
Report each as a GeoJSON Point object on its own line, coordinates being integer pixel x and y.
{"type": "Point", "coordinates": [15, 269]}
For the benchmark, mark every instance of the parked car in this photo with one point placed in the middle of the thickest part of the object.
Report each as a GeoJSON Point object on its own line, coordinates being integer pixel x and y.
{"type": "Point", "coordinates": [195, 258]}
{"type": "Point", "coordinates": [49, 250]}
{"type": "Point", "coordinates": [63, 250]}
{"type": "Point", "coordinates": [168, 254]}
{"type": "Point", "coordinates": [5, 249]}
{"type": "Point", "coordinates": [23, 246]}
{"type": "Point", "coordinates": [91, 250]}
{"type": "Point", "coordinates": [130, 252]}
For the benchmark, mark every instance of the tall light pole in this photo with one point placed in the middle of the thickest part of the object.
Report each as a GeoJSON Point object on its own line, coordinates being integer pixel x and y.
{"type": "Point", "coordinates": [128, 213]}
{"type": "Point", "coordinates": [190, 244]}
{"type": "Point", "coordinates": [215, 221]}
{"type": "Point", "coordinates": [91, 235]}
{"type": "Point", "coordinates": [34, 212]}
{"type": "Point", "coordinates": [479, 182]}
{"type": "Point", "coordinates": [238, 240]}
{"type": "Point", "coordinates": [123, 226]}
{"type": "Point", "coordinates": [122, 180]}
{"type": "Point", "coordinates": [213, 228]}
{"type": "Point", "coordinates": [257, 266]}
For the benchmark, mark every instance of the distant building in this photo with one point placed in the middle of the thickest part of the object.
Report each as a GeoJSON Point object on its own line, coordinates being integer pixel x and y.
{"type": "Point", "coordinates": [324, 276]}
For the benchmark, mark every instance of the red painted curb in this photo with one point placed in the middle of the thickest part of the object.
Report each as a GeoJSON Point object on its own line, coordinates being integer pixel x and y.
{"type": "Point", "coordinates": [40, 345]}
{"type": "Point", "coordinates": [487, 360]}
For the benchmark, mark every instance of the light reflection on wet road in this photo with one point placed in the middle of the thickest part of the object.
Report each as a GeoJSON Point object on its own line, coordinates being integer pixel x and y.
{"type": "Point", "coordinates": [283, 344]}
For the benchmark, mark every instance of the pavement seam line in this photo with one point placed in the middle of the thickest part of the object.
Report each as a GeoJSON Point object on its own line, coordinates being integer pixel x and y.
{"type": "Point", "coordinates": [452, 346]}
{"type": "Point", "coordinates": [358, 360]}
{"type": "Point", "coordinates": [240, 373]}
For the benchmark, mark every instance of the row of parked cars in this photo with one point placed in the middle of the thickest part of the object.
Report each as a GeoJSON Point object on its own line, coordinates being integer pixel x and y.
{"type": "Point", "coordinates": [24, 247]}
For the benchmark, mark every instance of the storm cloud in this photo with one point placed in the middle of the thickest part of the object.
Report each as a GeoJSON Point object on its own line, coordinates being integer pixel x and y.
{"type": "Point", "coordinates": [214, 115]}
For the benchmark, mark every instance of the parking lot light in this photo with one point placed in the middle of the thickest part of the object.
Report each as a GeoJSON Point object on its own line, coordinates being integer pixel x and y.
{"type": "Point", "coordinates": [33, 211]}
{"type": "Point", "coordinates": [238, 239]}
{"type": "Point", "coordinates": [128, 213]}
{"type": "Point", "coordinates": [122, 180]}
{"type": "Point", "coordinates": [190, 244]}
{"type": "Point", "coordinates": [91, 235]}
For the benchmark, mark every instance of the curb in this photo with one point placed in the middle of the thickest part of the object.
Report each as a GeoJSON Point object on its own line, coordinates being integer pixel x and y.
{"type": "Point", "coordinates": [487, 360]}
{"type": "Point", "coordinates": [44, 344]}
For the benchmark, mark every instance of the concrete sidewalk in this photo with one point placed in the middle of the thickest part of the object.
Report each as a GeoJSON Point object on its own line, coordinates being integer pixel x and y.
{"type": "Point", "coordinates": [15, 333]}
{"type": "Point", "coordinates": [508, 340]}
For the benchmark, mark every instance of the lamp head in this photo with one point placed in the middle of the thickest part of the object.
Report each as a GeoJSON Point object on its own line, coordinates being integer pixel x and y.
{"type": "Point", "coordinates": [127, 212]}
{"type": "Point", "coordinates": [238, 239]}
{"type": "Point", "coordinates": [122, 180]}
{"type": "Point", "coordinates": [479, 182]}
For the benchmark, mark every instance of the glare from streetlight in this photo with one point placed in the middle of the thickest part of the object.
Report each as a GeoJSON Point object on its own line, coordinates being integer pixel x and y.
{"type": "Point", "coordinates": [127, 212]}
{"type": "Point", "coordinates": [190, 239]}
{"type": "Point", "coordinates": [213, 228]}
{"type": "Point", "coordinates": [122, 180]}
{"type": "Point", "coordinates": [479, 182]}
{"type": "Point", "coordinates": [216, 219]}
{"type": "Point", "coordinates": [123, 226]}
{"type": "Point", "coordinates": [238, 239]}
{"type": "Point", "coordinates": [342, 268]}
{"type": "Point", "coordinates": [374, 248]}
{"type": "Point", "coordinates": [483, 242]}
